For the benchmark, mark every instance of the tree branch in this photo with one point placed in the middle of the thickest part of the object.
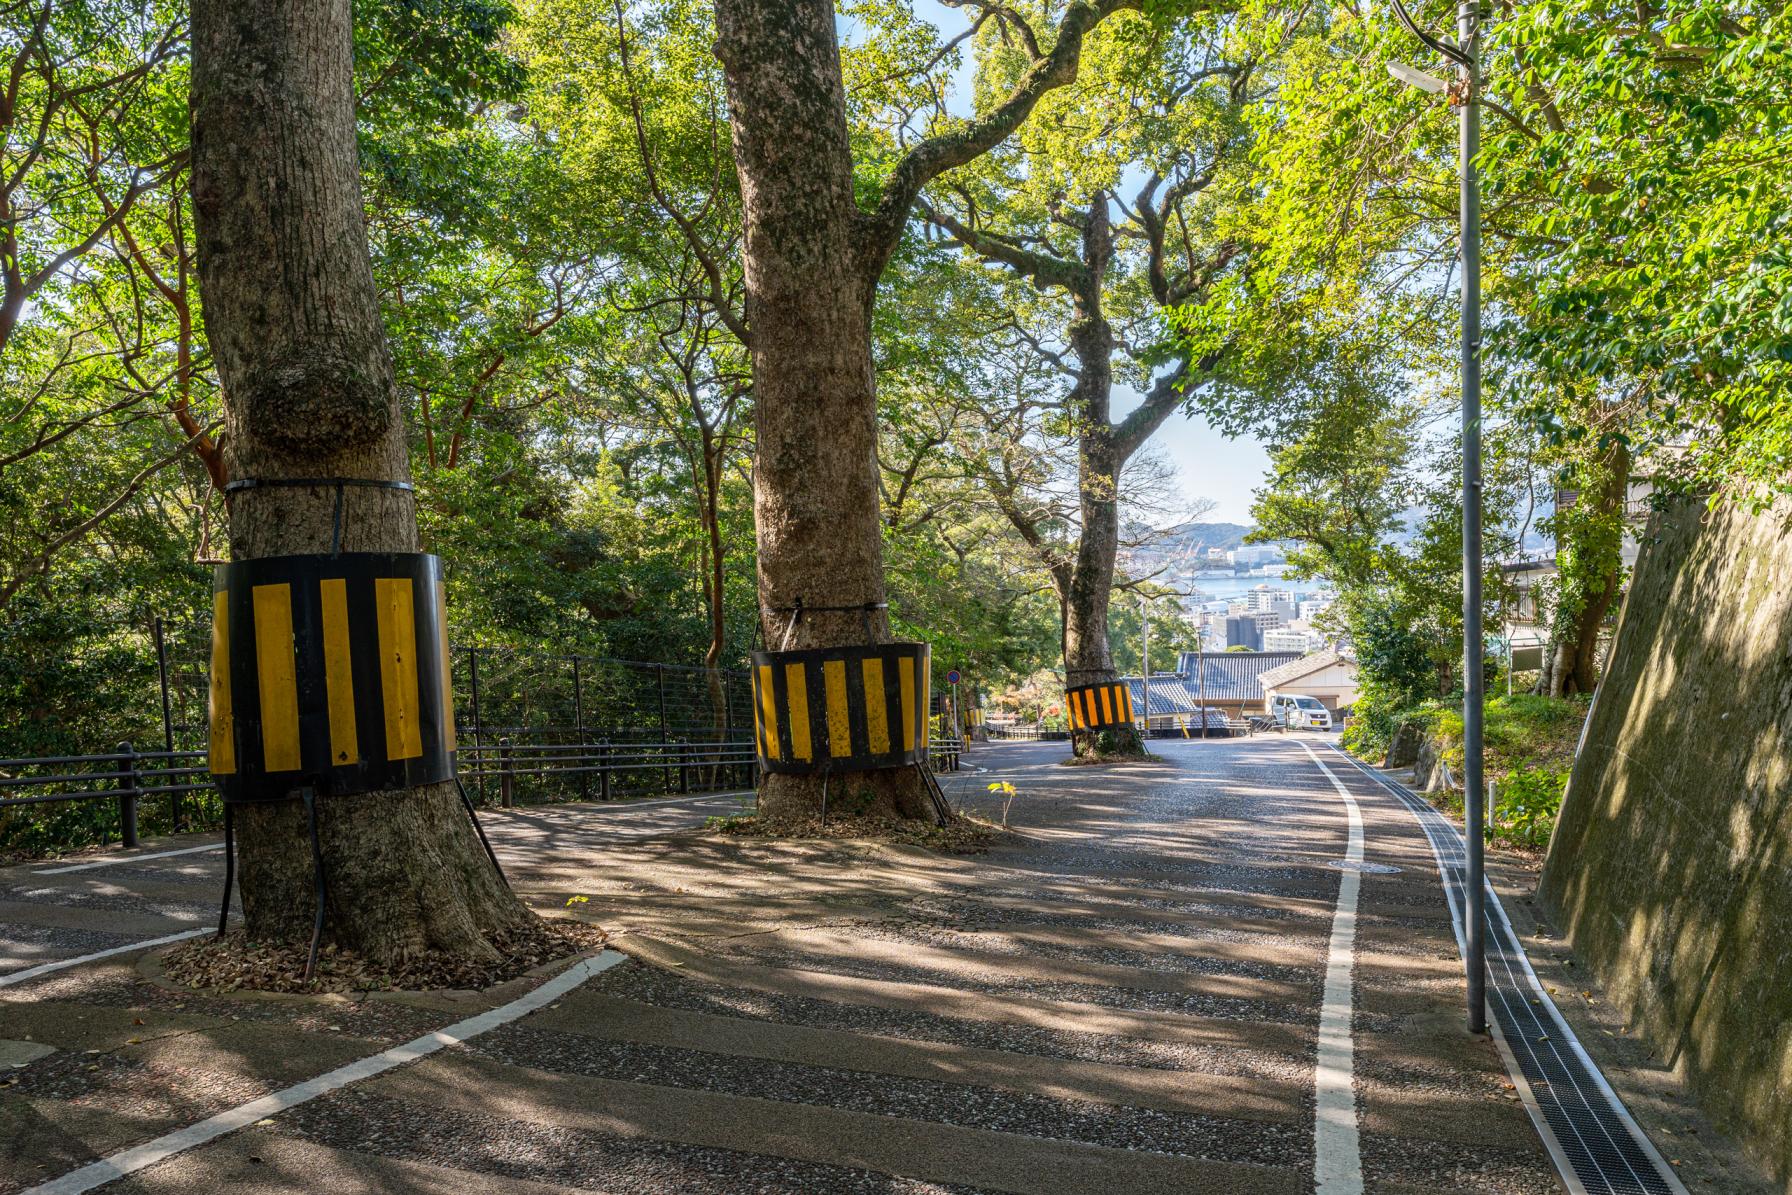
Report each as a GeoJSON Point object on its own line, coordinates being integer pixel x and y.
{"type": "Point", "coordinates": [881, 229]}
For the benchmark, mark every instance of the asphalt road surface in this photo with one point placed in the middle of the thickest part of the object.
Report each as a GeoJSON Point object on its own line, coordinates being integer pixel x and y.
{"type": "Point", "coordinates": [1230, 970]}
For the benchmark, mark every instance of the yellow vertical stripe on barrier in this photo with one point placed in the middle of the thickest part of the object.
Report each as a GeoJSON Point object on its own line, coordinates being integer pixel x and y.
{"type": "Point", "coordinates": [877, 714]}
{"type": "Point", "coordinates": [833, 675]}
{"type": "Point", "coordinates": [277, 677]}
{"type": "Point", "coordinates": [1126, 700]}
{"type": "Point", "coordinates": [398, 666]}
{"type": "Point", "coordinates": [905, 678]}
{"type": "Point", "coordinates": [768, 708]}
{"type": "Point", "coordinates": [339, 676]}
{"type": "Point", "coordinates": [222, 716]}
{"type": "Point", "coordinates": [447, 669]}
{"type": "Point", "coordinates": [1070, 710]}
{"type": "Point", "coordinates": [797, 683]}
{"type": "Point", "coordinates": [1107, 706]}
{"type": "Point", "coordinates": [1085, 708]}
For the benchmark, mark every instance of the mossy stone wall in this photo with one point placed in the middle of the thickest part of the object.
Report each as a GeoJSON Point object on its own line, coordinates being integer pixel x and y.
{"type": "Point", "coordinates": [1671, 865]}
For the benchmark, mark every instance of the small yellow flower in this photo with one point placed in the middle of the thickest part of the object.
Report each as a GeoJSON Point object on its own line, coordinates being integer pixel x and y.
{"type": "Point", "coordinates": [1003, 787]}
{"type": "Point", "coordinates": [578, 900]}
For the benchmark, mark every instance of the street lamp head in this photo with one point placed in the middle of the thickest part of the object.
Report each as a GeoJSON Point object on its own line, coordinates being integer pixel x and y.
{"type": "Point", "coordinates": [1413, 77]}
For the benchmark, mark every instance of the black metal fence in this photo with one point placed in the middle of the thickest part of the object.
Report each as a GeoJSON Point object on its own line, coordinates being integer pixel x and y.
{"type": "Point", "coordinates": [532, 727]}
{"type": "Point", "coordinates": [115, 793]}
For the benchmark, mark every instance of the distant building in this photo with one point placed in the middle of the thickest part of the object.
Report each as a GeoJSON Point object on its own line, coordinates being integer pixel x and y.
{"type": "Point", "coordinates": [1255, 554]}
{"type": "Point", "coordinates": [1242, 631]}
{"type": "Point", "coordinates": [1266, 597]}
{"type": "Point", "coordinates": [1227, 681]}
{"type": "Point", "coordinates": [1289, 639]}
{"type": "Point", "coordinates": [1327, 676]}
{"type": "Point", "coordinates": [1313, 607]}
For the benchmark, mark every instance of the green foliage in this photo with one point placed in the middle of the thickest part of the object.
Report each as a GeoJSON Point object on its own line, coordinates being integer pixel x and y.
{"type": "Point", "coordinates": [1529, 750]}
{"type": "Point", "coordinates": [1524, 806]}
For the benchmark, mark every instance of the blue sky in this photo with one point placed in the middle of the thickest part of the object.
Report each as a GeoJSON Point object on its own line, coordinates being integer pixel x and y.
{"type": "Point", "coordinates": [1207, 463]}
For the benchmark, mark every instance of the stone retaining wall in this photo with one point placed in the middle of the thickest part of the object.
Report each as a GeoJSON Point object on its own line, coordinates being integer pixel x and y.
{"type": "Point", "coordinates": [1671, 865]}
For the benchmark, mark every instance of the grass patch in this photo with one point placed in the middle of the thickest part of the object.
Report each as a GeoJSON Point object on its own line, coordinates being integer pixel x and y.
{"type": "Point", "coordinates": [1530, 743]}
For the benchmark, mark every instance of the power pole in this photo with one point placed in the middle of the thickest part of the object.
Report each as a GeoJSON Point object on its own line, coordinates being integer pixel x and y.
{"type": "Point", "coordinates": [1465, 97]}
{"type": "Point", "coordinates": [1201, 668]}
{"type": "Point", "coordinates": [1468, 22]}
{"type": "Point", "coordinates": [1145, 658]}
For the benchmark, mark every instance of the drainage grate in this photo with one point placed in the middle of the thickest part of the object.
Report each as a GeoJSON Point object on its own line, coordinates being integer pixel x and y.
{"type": "Point", "coordinates": [1596, 1145]}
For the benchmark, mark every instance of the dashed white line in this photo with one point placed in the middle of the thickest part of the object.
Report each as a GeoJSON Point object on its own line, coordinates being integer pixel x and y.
{"type": "Point", "coordinates": [138, 1157]}
{"type": "Point", "coordinates": [13, 977]}
{"type": "Point", "coordinates": [117, 859]}
{"type": "Point", "coordinates": [1337, 1146]}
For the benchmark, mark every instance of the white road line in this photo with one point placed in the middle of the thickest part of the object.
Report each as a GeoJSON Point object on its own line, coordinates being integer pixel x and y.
{"type": "Point", "coordinates": [1539, 996]}
{"type": "Point", "coordinates": [1337, 1148]}
{"type": "Point", "coordinates": [138, 1157]}
{"type": "Point", "coordinates": [116, 859]}
{"type": "Point", "coordinates": [45, 968]}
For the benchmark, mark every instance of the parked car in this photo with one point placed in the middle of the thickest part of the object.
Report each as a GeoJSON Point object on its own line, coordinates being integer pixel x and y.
{"type": "Point", "coordinates": [1293, 712]}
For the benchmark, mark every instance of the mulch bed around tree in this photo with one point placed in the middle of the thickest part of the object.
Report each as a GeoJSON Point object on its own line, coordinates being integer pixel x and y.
{"type": "Point", "coordinates": [1090, 761]}
{"type": "Point", "coordinates": [961, 836]}
{"type": "Point", "coordinates": [234, 964]}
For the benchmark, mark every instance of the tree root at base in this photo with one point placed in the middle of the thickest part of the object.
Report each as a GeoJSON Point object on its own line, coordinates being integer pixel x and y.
{"type": "Point", "coordinates": [233, 963]}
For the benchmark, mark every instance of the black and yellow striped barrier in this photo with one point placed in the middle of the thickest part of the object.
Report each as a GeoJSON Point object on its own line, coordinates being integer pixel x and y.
{"type": "Point", "coordinates": [1097, 707]}
{"type": "Point", "coordinates": [330, 672]}
{"type": "Point", "coordinates": [841, 709]}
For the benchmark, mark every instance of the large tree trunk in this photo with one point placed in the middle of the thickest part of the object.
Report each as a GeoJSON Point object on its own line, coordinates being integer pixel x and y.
{"type": "Point", "coordinates": [294, 324]}
{"type": "Point", "coordinates": [1590, 568]}
{"type": "Point", "coordinates": [809, 298]}
{"type": "Point", "coordinates": [813, 258]}
{"type": "Point", "coordinates": [1087, 657]}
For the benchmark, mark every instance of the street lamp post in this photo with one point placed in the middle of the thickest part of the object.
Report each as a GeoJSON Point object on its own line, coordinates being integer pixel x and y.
{"type": "Point", "coordinates": [1145, 659]}
{"type": "Point", "coordinates": [1465, 96]}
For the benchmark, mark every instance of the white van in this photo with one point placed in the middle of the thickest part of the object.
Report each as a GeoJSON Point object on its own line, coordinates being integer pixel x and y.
{"type": "Point", "coordinates": [1292, 712]}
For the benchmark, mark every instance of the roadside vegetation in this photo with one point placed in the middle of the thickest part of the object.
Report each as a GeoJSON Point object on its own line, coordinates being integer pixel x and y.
{"type": "Point", "coordinates": [1530, 741]}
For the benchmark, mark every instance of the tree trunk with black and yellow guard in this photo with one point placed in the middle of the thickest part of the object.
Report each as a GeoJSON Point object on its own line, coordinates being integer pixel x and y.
{"type": "Point", "coordinates": [813, 255]}
{"type": "Point", "coordinates": [294, 325]}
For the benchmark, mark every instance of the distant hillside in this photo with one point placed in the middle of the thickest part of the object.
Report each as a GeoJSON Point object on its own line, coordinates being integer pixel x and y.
{"type": "Point", "coordinates": [1193, 537]}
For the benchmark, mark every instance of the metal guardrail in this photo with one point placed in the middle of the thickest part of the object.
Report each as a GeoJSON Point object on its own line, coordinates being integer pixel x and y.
{"type": "Point", "coordinates": [1027, 734]}
{"type": "Point", "coordinates": [127, 776]}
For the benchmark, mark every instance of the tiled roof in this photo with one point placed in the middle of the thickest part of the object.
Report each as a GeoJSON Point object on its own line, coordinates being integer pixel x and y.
{"type": "Point", "coordinates": [1228, 676]}
{"type": "Point", "coordinates": [1232, 675]}
{"type": "Point", "coordinates": [1295, 668]}
{"type": "Point", "coordinates": [1173, 697]}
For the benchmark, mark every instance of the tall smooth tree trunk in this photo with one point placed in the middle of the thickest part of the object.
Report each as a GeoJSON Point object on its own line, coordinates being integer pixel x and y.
{"type": "Point", "coordinates": [294, 324]}
{"type": "Point", "coordinates": [1088, 659]}
{"type": "Point", "coordinates": [809, 297]}
{"type": "Point", "coordinates": [813, 258]}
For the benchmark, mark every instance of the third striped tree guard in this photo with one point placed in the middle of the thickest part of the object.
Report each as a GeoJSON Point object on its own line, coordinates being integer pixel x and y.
{"type": "Point", "coordinates": [1099, 706]}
